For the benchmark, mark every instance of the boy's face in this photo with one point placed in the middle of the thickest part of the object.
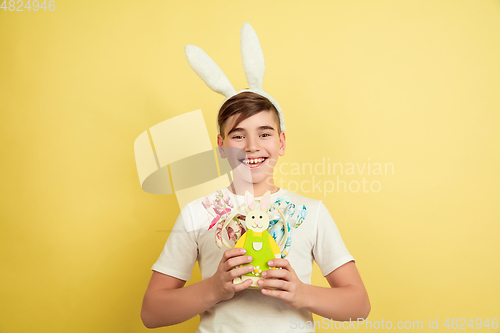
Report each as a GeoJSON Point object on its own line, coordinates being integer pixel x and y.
{"type": "Point", "coordinates": [252, 147]}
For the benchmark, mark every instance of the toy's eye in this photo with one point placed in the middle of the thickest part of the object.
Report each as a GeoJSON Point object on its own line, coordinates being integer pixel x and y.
{"type": "Point", "coordinates": [261, 217]}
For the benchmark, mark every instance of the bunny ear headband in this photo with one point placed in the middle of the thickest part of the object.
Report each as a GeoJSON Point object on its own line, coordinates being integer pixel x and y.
{"type": "Point", "coordinates": [253, 63]}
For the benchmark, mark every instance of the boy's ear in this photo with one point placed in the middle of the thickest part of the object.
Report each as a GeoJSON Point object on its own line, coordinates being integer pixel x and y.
{"type": "Point", "coordinates": [220, 143]}
{"type": "Point", "coordinates": [282, 144]}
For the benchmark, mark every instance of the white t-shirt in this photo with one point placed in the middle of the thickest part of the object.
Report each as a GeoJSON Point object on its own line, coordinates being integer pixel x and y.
{"type": "Point", "coordinates": [317, 238]}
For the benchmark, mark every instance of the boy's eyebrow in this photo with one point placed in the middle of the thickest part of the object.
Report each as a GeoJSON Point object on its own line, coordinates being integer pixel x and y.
{"type": "Point", "coordinates": [236, 129]}
{"type": "Point", "coordinates": [266, 127]}
{"type": "Point", "coordinates": [260, 128]}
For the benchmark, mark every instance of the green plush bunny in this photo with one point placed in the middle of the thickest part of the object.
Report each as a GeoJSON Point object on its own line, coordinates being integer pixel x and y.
{"type": "Point", "coordinates": [257, 241]}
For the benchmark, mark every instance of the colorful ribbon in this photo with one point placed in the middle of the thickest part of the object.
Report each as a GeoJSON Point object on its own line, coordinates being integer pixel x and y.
{"type": "Point", "coordinates": [220, 207]}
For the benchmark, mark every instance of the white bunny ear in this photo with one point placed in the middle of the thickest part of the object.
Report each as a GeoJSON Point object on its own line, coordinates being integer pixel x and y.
{"type": "Point", "coordinates": [208, 71]}
{"type": "Point", "coordinates": [264, 202]}
{"type": "Point", "coordinates": [249, 200]}
{"type": "Point", "coordinates": [252, 56]}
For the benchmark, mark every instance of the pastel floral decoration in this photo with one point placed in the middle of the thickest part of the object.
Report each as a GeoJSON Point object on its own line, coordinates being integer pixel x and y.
{"type": "Point", "coordinates": [218, 207]}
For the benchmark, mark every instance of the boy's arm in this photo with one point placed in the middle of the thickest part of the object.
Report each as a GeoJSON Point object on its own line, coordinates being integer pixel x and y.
{"type": "Point", "coordinates": [168, 302]}
{"type": "Point", "coordinates": [346, 299]}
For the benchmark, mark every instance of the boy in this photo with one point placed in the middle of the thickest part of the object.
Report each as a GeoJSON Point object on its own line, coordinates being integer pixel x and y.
{"type": "Point", "coordinates": [252, 137]}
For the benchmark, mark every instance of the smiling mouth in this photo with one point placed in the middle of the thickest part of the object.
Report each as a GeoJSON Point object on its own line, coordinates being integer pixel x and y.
{"type": "Point", "coordinates": [253, 162]}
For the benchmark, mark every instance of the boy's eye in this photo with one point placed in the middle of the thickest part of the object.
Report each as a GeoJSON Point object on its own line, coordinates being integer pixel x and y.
{"type": "Point", "coordinates": [238, 137]}
{"type": "Point", "coordinates": [265, 135]}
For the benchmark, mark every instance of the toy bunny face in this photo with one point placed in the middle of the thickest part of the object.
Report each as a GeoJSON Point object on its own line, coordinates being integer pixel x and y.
{"type": "Point", "coordinates": [257, 219]}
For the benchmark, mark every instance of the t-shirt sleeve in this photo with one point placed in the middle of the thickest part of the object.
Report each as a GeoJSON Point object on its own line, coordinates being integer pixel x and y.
{"type": "Point", "coordinates": [181, 249]}
{"type": "Point", "coordinates": [329, 251]}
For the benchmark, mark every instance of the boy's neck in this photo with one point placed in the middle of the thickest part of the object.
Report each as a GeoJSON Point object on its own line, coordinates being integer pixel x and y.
{"type": "Point", "coordinates": [257, 190]}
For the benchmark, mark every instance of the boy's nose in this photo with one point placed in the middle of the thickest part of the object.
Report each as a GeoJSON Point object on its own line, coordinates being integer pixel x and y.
{"type": "Point", "coordinates": [251, 145]}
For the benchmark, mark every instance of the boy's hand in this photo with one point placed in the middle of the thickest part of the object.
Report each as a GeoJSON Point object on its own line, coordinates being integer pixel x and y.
{"type": "Point", "coordinates": [290, 288]}
{"type": "Point", "coordinates": [222, 280]}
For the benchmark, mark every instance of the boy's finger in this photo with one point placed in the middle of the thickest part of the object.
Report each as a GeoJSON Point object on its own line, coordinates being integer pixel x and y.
{"type": "Point", "coordinates": [234, 252]}
{"type": "Point", "coordinates": [274, 283]}
{"type": "Point", "coordinates": [236, 261]}
{"type": "Point", "coordinates": [279, 263]}
{"type": "Point", "coordinates": [275, 293]}
{"type": "Point", "coordinates": [276, 274]}
{"type": "Point", "coordinates": [243, 285]}
{"type": "Point", "coordinates": [234, 273]}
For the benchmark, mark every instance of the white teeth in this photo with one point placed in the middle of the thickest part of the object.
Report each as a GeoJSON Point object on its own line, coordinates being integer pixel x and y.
{"type": "Point", "coordinates": [253, 160]}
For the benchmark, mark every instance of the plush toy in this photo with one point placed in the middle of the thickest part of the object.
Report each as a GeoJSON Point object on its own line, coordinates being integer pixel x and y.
{"type": "Point", "coordinates": [267, 234]}
{"type": "Point", "coordinates": [257, 240]}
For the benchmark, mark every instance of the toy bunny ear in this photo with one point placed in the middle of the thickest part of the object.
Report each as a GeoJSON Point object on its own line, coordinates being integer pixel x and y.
{"type": "Point", "coordinates": [208, 71]}
{"type": "Point", "coordinates": [249, 200]}
{"type": "Point", "coordinates": [252, 56]}
{"type": "Point", "coordinates": [264, 202]}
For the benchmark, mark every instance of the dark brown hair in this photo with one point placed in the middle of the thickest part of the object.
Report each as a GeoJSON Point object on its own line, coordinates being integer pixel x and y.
{"type": "Point", "coordinates": [246, 104]}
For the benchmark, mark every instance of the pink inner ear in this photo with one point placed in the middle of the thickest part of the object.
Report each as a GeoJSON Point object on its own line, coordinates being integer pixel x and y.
{"type": "Point", "coordinates": [250, 202]}
{"type": "Point", "coordinates": [265, 201]}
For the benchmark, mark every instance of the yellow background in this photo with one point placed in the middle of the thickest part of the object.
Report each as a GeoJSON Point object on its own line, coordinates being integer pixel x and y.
{"type": "Point", "coordinates": [413, 83]}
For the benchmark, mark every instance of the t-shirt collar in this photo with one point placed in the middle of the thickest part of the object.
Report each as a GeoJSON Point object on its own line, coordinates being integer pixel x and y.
{"type": "Point", "coordinates": [239, 197]}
